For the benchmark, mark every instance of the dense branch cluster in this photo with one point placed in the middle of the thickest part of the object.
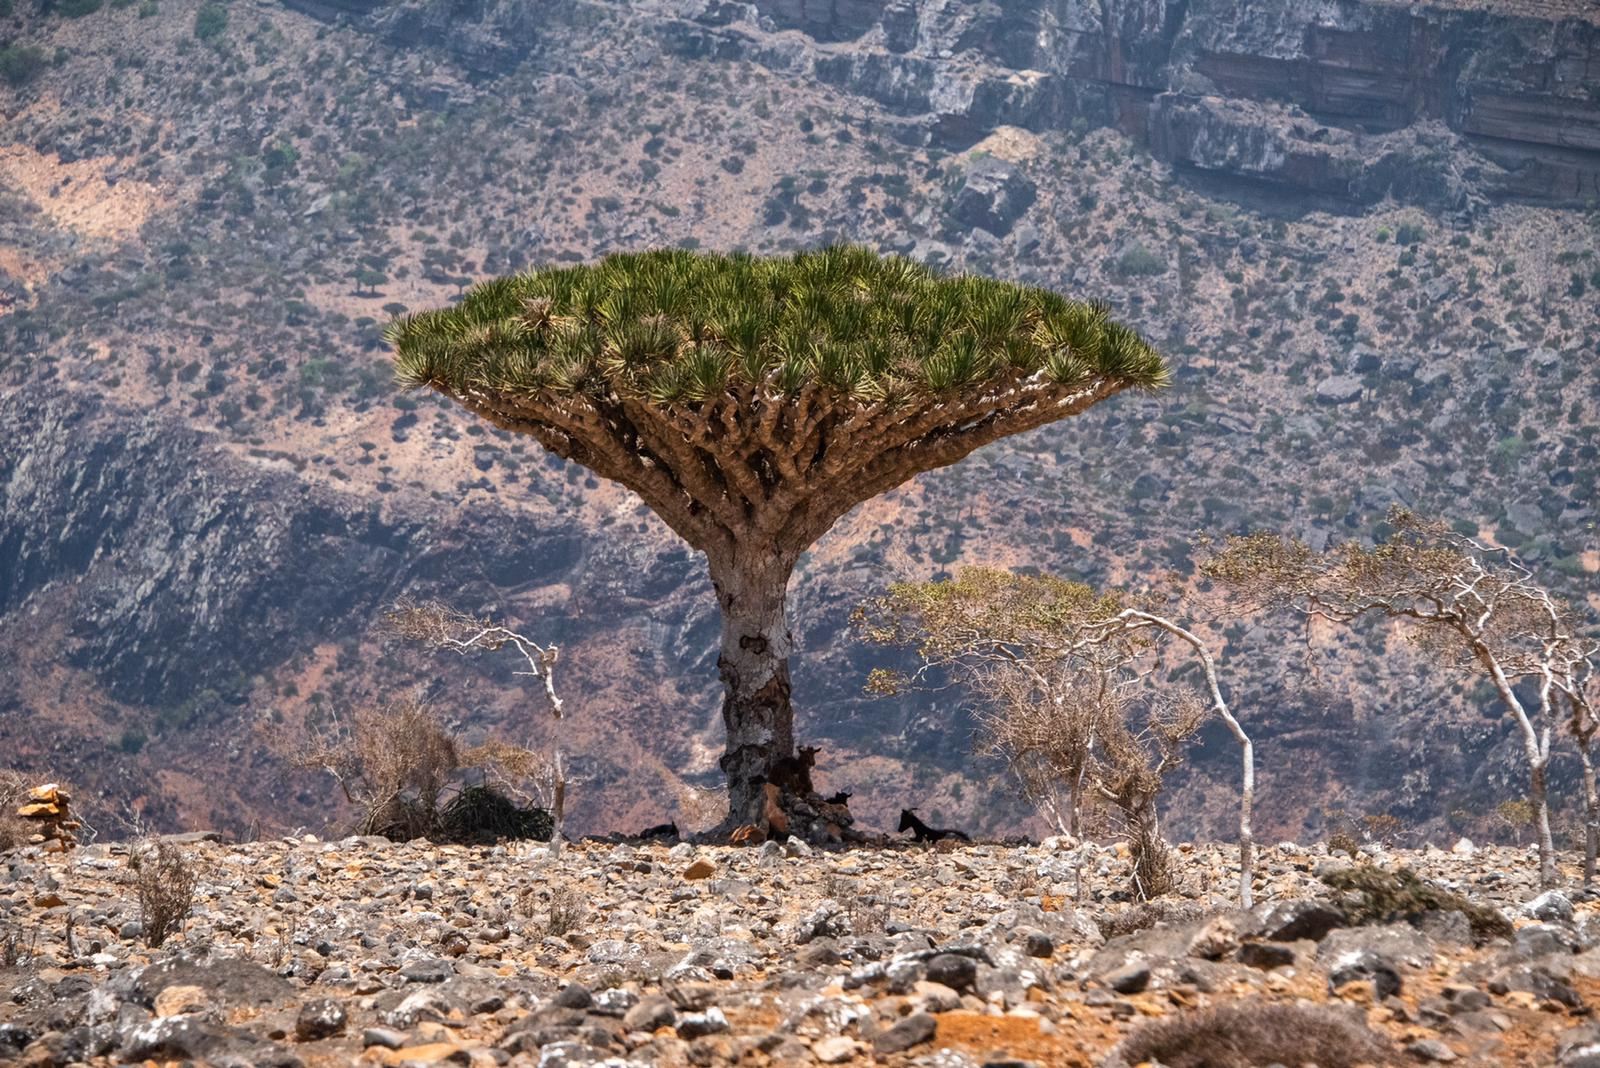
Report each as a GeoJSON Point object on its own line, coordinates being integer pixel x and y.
{"type": "Point", "coordinates": [741, 396]}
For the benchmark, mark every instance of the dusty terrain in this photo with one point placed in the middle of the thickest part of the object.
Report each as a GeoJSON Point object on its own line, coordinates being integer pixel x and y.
{"type": "Point", "coordinates": [301, 951]}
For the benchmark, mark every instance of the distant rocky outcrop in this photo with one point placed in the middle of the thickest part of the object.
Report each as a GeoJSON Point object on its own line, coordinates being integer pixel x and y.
{"type": "Point", "coordinates": [1336, 105]}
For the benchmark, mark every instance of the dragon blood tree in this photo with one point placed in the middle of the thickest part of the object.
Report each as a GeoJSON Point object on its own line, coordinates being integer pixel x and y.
{"type": "Point", "coordinates": [752, 402]}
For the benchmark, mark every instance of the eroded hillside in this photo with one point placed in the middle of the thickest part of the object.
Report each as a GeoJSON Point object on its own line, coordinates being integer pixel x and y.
{"type": "Point", "coordinates": [1366, 239]}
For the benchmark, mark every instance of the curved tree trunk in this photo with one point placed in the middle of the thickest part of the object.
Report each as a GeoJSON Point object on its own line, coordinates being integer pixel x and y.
{"type": "Point", "coordinates": [754, 665]}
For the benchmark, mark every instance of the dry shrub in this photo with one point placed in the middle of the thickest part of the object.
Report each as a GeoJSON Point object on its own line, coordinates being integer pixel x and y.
{"type": "Point", "coordinates": [1148, 914]}
{"type": "Point", "coordinates": [1251, 1034]}
{"type": "Point", "coordinates": [165, 881]}
{"type": "Point", "coordinates": [14, 829]}
{"type": "Point", "coordinates": [868, 913]}
{"type": "Point", "coordinates": [393, 762]}
{"type": "Point", "coordinates": [563, 909]}
{"type": "Point", "coordinates": [484, 814]}
{"type": "Point", "coordinates": [1370, 894]}
{"type": "Point", "coordinates": [18, 947]}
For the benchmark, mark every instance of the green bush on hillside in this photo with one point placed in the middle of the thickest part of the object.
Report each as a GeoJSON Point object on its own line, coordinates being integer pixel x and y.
{"type": "Point", "coordinates": [210, 21]}
{"type": "Point", "coordinates": [21, 64]}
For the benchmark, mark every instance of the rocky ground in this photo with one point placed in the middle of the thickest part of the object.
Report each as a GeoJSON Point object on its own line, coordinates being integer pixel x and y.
{"type": "Point", "coordinates": [302, 951]}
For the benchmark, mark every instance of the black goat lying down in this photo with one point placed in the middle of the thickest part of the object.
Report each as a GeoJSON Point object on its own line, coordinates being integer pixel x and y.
{"type": "Point", "coordinates": [841, 798]}
{"type": "Point", "coordinates": [665, 830]}
{"type": "Point", "coordinates": [921, 832]}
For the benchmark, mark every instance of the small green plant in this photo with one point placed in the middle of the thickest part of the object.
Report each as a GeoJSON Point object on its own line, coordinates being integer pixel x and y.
{"type": "Point", "coordinates": [21, 64]}
{"type": "Point", "coordinates": [210, 21]}
{"type": "Point", "coordinates": [77, 9]}
{"type": "Point", "coordinates": [1137, 261]}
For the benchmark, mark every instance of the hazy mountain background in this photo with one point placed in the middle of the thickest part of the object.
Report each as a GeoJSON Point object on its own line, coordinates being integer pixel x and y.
{"type": "Point", "coordinates": [1365, 232]}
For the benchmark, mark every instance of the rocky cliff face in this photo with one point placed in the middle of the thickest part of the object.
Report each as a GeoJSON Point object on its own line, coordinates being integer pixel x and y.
{"type": "Point", "coordinates": [1329, 103]}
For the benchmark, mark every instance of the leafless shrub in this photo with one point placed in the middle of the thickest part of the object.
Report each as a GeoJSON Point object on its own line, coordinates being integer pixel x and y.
{"type": "Point", "coordinates": [16, 947]}
{"type": "Point", "coordinates": [559, 909]}
{"type": "Point", "coordinates": [1146, 914]}
{"type": "Point", "coordinates": [443, 627]}
{"type": "Point", "coordinates": [1343, 841]}
{"type": "Point", "coordinates": [165, 881]}
{"type": "Point", "coordinates": [1245, 1034]}
{"type": "Point", "coordinates": [393, 762]}
{"type": "Point", "coordinates": [1134, 764]}
{"type": "Point", "coordinates": [867, 913]}
{"type": "Point", "coordinates": [1042, 723]}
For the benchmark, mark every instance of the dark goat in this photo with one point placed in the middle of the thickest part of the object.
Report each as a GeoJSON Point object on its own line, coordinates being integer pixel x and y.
{"type": "Point", "coordinates": [662, 830]}
{"type": "Point", "coordinates": [921, 832]}
{"type": "Point", "coordinates": [841, 798]}
{"type": "Point", "coordinates": [793, 773]}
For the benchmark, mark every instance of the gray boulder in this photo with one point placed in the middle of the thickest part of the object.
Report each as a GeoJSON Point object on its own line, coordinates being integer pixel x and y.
{"type": "Point", "coordinates": [992, 197]}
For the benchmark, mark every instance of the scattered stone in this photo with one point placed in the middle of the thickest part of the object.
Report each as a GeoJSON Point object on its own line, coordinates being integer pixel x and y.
{"type": "Point", "coordinates": [49, 822]}
{"type": "Point", "coordinates": [957, 972]}
{"type": "Point", "coordinates": [911, 1031]}
{"type": "Point", "coordinates": [650, 1014]}
{"type": "Point", "coordinates": [662, 972]}
{"type": "Point", "coordinates": [385, 1037]}
{"type": "Point", "coordinates": [993, 196]}
{"type": "Point", "coordinates": [1552, 906]}
{"type": "Point", "coordinates": [835, 1049]}
{"type": "Point", "coordinates": [1339, 389]}
{"type": "Point", "coordinates": [1131, 978]}
{"type": "Point", "coordinates": [700, 869]}
{"type": "Point", "coordinates": [179, 999]}
{"type": "Point", "coordinates": [1265, 955]}
{"type": "Point", "coordinates": [319, 1018]}
{"type": "Point", "coordinates": [1431, 1049]}
{"type": "Point", "coordinates": [1360, 965]}
{"type": "Point", "coordinates": [710, 1022]}
{"type": "Point", "coordinates": [1291, 921]}
{"type": "Point", "coordinates": [1038, 944]}
{"type": "Point", "coordinates": [574, 996]}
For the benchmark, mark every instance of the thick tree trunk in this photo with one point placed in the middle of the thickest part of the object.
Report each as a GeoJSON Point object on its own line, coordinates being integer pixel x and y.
{"type": "Point", "coordinates": [754, 664]}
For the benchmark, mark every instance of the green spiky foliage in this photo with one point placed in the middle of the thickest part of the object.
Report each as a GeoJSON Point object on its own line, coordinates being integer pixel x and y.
{"type": "Point", "coordinates": [751, 402]}
{"type": "Point", "coordinates": [679, 328]}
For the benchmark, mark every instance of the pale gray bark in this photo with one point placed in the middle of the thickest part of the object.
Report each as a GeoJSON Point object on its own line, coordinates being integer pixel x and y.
{"type": "Point", "coordinates": [1247, 789]}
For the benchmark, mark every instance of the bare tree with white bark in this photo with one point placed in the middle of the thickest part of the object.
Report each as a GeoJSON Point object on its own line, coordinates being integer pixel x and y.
{"type": "Point", "coordinates": [443, 627]}
{"type": "Point", "coordinates": [1056, 663]}
{"type": "Point", "coordinates": [1470, 603]}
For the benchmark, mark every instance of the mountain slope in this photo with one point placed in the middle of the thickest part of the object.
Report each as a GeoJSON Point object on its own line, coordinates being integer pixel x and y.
{"type": "Point", "coordinates": [1358, 229]}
